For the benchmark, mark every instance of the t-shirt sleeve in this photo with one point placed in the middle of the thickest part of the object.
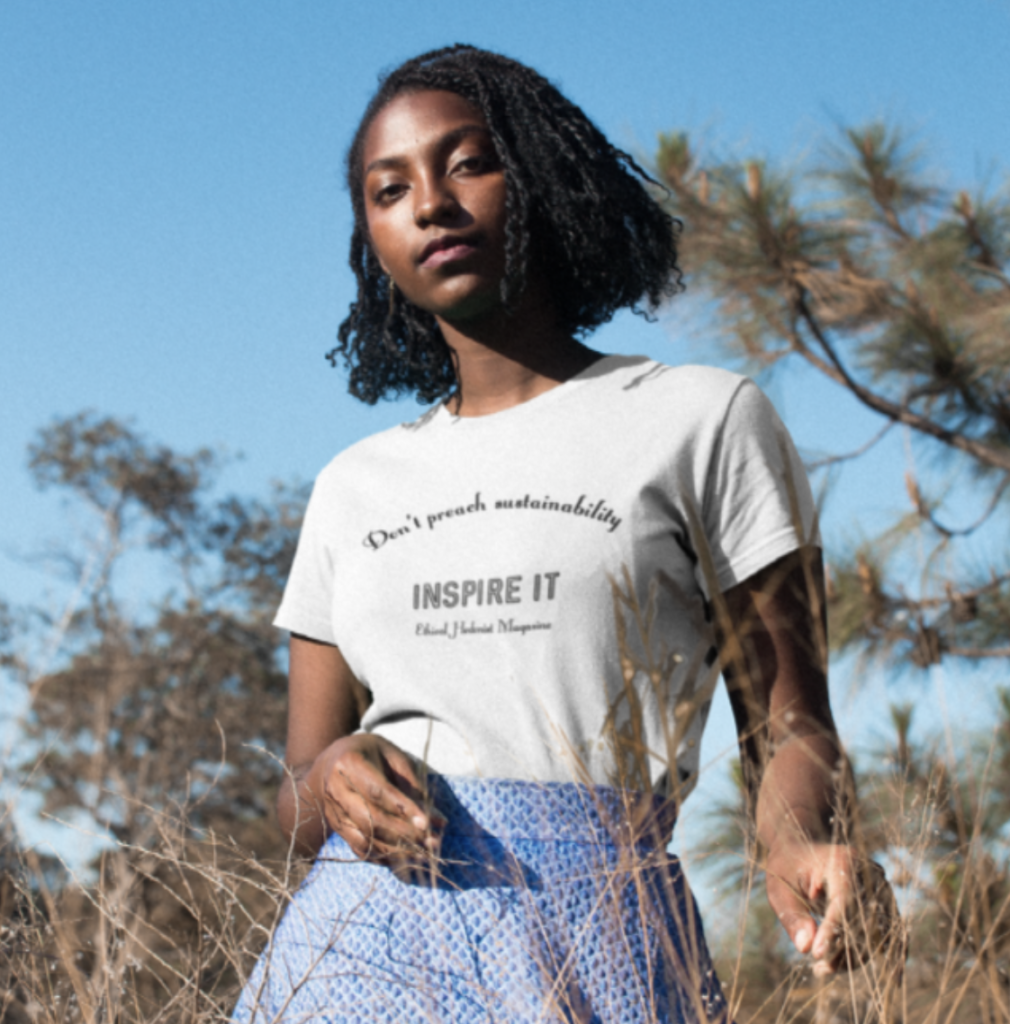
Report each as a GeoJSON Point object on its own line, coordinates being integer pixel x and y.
{"type": "Point", "coordinates": [308, 595]}
{"type": "Point", "coordinates": [757, 504]}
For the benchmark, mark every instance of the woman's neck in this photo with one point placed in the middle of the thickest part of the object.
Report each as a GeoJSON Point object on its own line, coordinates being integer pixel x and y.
{"type": "Point", "coordinates": [503, 361]}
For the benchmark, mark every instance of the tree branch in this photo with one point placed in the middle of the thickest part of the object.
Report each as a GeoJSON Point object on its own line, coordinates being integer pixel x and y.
{"type": "Point", "coordinates": [899, 413]}
{"type": "Point", "coordinates": [993, 272]}
{"type": "Point", "coordinates": [965, 531]}
{"type": "Point", "coordinates": [917, 603]}
{"type": "Point", "coordinates": [830, 460]}
{"type": "Point", "coordinates": [978, 652]}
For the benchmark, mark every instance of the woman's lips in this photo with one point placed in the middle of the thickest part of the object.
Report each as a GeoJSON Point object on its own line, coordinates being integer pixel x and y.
{"type": "Point", "coordinates": [448, 254]}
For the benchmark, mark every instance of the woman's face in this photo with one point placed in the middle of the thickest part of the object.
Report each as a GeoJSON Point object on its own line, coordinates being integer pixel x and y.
{"type": "Point", "coordinates": [434, 197]}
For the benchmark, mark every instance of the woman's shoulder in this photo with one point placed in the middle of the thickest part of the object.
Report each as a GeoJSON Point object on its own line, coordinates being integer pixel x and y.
{"type": "Point", "coordinates": [639, 386]}
{"type": "Point", "coordinates": [709, 389]}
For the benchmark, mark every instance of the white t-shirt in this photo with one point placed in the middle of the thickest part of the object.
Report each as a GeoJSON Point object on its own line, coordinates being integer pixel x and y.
{"type": "Point", "coordinates": [525, 593]}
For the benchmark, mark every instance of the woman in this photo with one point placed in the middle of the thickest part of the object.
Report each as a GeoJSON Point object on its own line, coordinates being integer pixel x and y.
{"type": "Point", "coordinates": [504, 617]}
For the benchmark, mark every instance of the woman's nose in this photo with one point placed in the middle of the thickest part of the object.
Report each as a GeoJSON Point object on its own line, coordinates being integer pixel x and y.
{"type": "Point", "coordinates": [434, 203]}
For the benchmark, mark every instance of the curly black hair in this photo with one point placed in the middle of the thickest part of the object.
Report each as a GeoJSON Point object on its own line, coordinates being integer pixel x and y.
{"type": "Point", "coordinates": [578, 213]}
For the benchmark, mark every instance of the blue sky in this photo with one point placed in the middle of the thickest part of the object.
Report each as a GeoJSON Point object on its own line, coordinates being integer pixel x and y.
{"type": "Point", "coordinates": [173, 225]}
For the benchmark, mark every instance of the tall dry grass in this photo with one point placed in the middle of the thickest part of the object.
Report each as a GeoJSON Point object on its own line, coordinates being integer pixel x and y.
{"type": "Point", "coordinates": [930, 823]}
{"type": "Point", "coordinates": [168, 933]}
{"type": "Point", "coordinates": [168, 929]}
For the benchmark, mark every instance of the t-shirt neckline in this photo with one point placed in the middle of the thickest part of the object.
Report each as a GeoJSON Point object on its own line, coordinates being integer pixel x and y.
{"type": "Point", "coordinates": [598, 368]}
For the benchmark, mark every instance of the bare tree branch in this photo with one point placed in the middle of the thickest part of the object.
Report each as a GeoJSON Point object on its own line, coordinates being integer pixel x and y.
{"type": "Point", "coordinates": [899, 413]}
{"type": "Point", "coordinates": [831, 460]}
{"type": "Point", "coordinates": [965, 531]}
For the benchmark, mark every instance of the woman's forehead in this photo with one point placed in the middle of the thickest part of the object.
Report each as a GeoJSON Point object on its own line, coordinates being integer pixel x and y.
{"type": "Point", "coordinates": [413, 119]}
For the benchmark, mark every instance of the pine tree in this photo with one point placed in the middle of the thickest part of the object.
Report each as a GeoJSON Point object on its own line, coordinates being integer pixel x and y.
{"type": "Point", "coordinates": [865, 272]}
{"type": "Point", "coordinates": [898, 291]}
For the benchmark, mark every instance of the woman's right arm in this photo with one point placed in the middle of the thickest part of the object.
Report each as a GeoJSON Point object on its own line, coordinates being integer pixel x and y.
{"type": "Point", "coordinates": [337, 780]}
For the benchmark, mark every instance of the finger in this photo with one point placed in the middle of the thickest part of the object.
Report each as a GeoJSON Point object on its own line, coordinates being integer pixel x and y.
{"type": "Point", "coordinates": [389, 831]}
{"type": "Point", "coordinates": [793, 912]}
{"type": "Point", "coordinates": [404, 776]}
{"type": "Point", "coordinates": [375, 803]}
{"type": "Point", "coordinates": [371, 834]}
{"type": "Point", "coordinates": [343, 826]}
{"type": "Point", "coordinates": [366, 843]}
{"type": "Point", "coordinates": [368, 848]}
{"type": "Point", "coordinates": [429, 820]}
{"type": "Point", "coordinates": [829, 942]}
{"type": "Point", "coordinates": [825, 968]}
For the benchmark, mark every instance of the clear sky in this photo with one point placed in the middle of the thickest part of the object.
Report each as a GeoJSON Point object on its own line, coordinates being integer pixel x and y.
{"type": "Point", "coordinates": [173, 226]}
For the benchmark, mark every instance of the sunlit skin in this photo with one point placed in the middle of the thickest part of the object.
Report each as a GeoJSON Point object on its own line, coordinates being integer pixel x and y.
{"type": "Point", "coordinates": [432, 178]}
{"type": "Point", "coordinates": [435, 200]}
{"type": "Point", "coordinates": [435, 195]}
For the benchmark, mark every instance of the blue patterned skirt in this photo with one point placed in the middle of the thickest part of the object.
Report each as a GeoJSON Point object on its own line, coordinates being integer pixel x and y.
{"type": "Point", "coordinates": [549, 903]}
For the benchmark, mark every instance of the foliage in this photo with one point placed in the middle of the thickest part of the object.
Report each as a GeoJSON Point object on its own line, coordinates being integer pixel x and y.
{"type": "Point", "coordinates": [898, 291]}
{"type": "Point", "coordinates": [938, 819]}
{"type": "Point", "coordinates": [862, 270]}
{"type": "Point", "coordinates": [155, 711]}
{"type": "Point", "coordinates": [138, 708]}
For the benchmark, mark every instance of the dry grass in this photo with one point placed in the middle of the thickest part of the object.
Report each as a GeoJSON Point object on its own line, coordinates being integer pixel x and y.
{"type": "Point", "coordinates": [171, 925]}
{"type": "Point", "coordinates": [950, 874]}
{"type": "Point", "coordinates": [163, 934]}
{"type": "Point", "coordinates": [169, 929]}
{"type": "Point", "coordinates": [168, 933]}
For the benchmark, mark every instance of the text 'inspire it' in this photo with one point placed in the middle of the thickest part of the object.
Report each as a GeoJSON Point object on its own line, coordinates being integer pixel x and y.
{"type": "Point", "coordinates": [542, 586]}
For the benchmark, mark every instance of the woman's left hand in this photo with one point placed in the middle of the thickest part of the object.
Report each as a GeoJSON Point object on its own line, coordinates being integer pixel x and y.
{"type": "Point", "coordinates": [833, 901]}
{"type": "Point", "coordinates": [847, 891]}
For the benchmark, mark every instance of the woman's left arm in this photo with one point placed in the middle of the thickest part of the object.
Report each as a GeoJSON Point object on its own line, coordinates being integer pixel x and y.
{"type": "Point", "coordinates": [773, 646]}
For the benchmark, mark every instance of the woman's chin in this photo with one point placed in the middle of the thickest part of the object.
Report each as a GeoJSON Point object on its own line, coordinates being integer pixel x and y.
{"type": "Point", "coordinates": [470, 311]}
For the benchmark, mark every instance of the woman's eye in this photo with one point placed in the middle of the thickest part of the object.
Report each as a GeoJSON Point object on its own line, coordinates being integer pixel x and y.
{"type": "Point", "coordinates": [472, 164]}
{"type": "Point", "coordinates": [387, 193]}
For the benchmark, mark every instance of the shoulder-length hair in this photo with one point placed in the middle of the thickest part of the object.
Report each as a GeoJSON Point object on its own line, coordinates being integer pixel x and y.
{"type": "Point", "coordinates": [579, 216]}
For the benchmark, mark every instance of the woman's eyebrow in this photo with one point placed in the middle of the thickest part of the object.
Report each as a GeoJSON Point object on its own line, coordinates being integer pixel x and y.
{"type": "Point", "coordinates": [446, 141]}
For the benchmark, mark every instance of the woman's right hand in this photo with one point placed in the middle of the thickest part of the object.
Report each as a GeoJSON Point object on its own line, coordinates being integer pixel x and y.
{"type": "Point", "coordinates": [372, 797]}
{"type": "Point", "coordinates": [341, 780]}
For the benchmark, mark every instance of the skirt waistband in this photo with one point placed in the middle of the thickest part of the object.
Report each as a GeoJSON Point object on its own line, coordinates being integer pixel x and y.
{"type": "Point", "coordinates": [566, 812]}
